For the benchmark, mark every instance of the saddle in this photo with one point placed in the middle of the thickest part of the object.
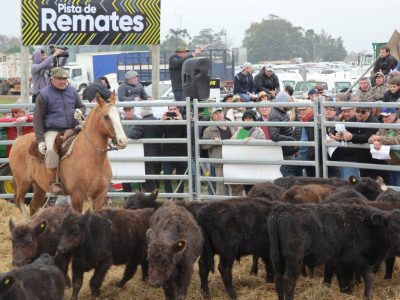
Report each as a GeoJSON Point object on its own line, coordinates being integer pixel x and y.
{"type": "Point", "coordinates": [63, 145]}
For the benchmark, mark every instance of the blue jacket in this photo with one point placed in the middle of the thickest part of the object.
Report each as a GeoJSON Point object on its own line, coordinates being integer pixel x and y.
{"type": "Point", "coordinates": [243, 83]}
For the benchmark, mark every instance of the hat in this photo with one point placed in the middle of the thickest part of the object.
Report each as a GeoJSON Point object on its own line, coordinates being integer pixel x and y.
{"type": "Point", "coordinates": [227, 96]}
{"type": "Point", "coordinates": [146, 111]}
{"type": "Point", "coordinates": [386, 111]}
{"type": "Point", "coordinates": [313, 92]}
{"type": "Point", "coordinates": [268, 68]}
{"type": "Point", "coordinates": [246, 65]}
{"type": "Point", "coordinates": [59, 73]}
{"type": "Point", "coordinates": [131, 74]}
{"type": "Point", "coordinates": [304, 101]}
{"type": "Point", "coordinates": [182, 49]}
{"type": "Point", "coordinates": [282, 97]}
{"type": "Point", "coordinates": [379, 74]}
{"type": "Point", "coordinates": [215, 109]}
{"type": "Point", "coordinates": [236, 98]}
{"type": "Point", "coordinates": [250, 113]}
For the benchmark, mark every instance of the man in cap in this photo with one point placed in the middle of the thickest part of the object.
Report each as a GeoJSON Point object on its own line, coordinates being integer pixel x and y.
{"type": "Point", "coordinates": [380, 88]}
{"type": "Point", "coordinates": [243, 83]}
{"type": "Point", "coordinates": [385, 62]}
{"type": "Point", "coordinates": [175, 69]}
{"type": "Point", "coordinates": [58, 107]}
{"type": "Point", "coordinates": [266, 80]}
{"type": "Point", "coordinates": [386, 136]}
{"type": "Point", "coordinates": [313, 94]}
{"type": "Point", "coordinates": [131, 89]}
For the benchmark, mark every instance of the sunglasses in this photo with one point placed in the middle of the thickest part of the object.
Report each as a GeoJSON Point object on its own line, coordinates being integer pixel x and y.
{"type": "Point", "coordinates": [361, 111]}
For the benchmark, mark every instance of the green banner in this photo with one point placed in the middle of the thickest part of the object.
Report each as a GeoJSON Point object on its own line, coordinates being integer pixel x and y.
{"type": "Point", "coordinates": [91, 22]}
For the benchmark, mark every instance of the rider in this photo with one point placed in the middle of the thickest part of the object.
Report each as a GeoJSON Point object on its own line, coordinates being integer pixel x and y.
{"type": "Point", "coordinates": [57, 108]}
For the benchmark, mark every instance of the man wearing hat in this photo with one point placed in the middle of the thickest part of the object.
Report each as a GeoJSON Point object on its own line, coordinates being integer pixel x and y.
{"type": "Point", "coordinates": [243, 83]}
{"type": "Point", "coordinates": [380, 88]}
{"type": "Point", "coordinates": [386, 136]}
{"type": "Point", "coordinates": [175, 69]}
{"type": "Point", "coordinates": [266, 80]}
{"type": "Point", "coordinates": [57, 108]}
{"type": "Point", "coordinates": [131, 89]}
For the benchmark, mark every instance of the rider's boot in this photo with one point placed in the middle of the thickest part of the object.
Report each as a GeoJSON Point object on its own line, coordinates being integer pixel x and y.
{"type": "Point", "coordinates": [55, 187]}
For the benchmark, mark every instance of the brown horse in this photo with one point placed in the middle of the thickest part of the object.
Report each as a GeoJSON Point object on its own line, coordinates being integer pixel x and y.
{"type": "Point", "coordinates": [85, 173]}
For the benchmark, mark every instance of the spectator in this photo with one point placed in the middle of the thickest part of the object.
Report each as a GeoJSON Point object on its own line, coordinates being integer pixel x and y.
{"type": "Point", "coordinates": [227, 99]}
{"type": "Point", "coordinates": [277, 134]}
{"type": "Point", "coordinates": [393, 94]}
{"type": "Point", "coordinates": [174, 131]}
{"type": "Point", "coordinates": [364, 91]}
{"type": "Point", "coordinates": [131, 89]}
{"type": "Point", "coordinates": [264, 115]}
{"type": "Point", "coordinates": [90, 92]}
{"type": "Point", "coordinates": [266, 80]}
{"type": "Point", "coordinates": [217, 133]}
{"type": "Point", "coordinates": [149, 132]}
{"type": "Point", "coordinates": [243, 83]}
{"type": "Point", "coordinates": [18, 115]}
{"type": "Point", "coordinates": [235, 113]}
{"type": "Point", "coordinates": [386, 62]}
{"type": "Point", "coordinates": [380, 88]}
{"type": "Point", "coordinates": [389, 137]}
{"type": "Point", "coordinates": [263, 96]}
{"type": "Point", "coordinates": [175, 69]}
{"type": "Point", "coordinates": [40, 70]}
{"type": "Point", "coordinates": [129, 115]}
{"type": "Point", "coordinates": [104, 81]}
{"type": "Point", "coordinates": [57, 108]}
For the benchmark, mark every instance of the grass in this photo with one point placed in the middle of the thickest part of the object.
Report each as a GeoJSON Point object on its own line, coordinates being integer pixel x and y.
{"type": "Point", "coordinates": [248, 287]}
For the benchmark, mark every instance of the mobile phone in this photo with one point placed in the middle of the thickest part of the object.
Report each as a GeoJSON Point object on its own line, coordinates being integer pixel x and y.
{"type": "Point", "coordinates": [171, 114]}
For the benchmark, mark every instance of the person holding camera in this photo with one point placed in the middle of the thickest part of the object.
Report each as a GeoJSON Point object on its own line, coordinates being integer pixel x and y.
{"type": "Point", "coordinates": [58, 107]}
{"type": "Point", "coordinates": [41, 65]}
{"type": "Point", "coordinates": [171, 132]}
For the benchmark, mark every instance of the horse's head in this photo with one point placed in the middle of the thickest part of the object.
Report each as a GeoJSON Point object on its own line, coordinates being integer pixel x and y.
{"type": "Point", "coordinates": [111, 125]}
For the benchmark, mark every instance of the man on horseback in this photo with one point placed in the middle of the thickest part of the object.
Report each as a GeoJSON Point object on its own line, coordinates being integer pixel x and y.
{"type": "Point", "coordinates": [57, 108]}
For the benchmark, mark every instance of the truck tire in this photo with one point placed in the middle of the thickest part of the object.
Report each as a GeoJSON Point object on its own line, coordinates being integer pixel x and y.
{"type": "Point", "coordinates": [82, 87]}
{"type": "Point", "coordinates": [7, 186]}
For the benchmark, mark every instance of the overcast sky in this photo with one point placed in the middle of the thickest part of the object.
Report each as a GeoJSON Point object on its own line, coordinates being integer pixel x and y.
{"type": "Point", "coordinates": [358, 22]}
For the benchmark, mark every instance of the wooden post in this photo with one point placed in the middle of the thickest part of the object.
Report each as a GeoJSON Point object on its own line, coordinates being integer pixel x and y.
{"type": "Point", "coordinates": [25, 75]}
{"type": "Point", "coordinates": [155, 71]}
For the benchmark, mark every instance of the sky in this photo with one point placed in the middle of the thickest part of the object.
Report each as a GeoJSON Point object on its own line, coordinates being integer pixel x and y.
{"type": "Point", "coordinates": [358, 22]}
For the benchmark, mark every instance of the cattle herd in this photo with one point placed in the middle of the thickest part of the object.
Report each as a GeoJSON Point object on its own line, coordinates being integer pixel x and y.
{"type": "Point", "coordinates": [293, 224]}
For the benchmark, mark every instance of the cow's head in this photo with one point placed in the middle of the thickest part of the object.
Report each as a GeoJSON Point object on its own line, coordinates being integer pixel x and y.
{"type": "Point", "coordinates": [370, 188]}
{"type": "Point", "coordinates": [163, 257]}
{"type": "Point", "coordinates": [72, 232]}
{"type": "Point", "coordinates": [24, 241]}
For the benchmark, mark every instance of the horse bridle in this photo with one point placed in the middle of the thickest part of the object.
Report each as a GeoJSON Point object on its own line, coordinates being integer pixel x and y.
{"type": "Point", "coordinates": [110, 147]}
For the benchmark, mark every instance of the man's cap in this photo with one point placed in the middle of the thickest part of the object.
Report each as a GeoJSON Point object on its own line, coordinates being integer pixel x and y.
{"type": "Point", "coordinates": [182, 49]}
{"type": "Point", "coordinates": [386, 111]}
{"type": "Point", "coordinates": [227, 96]}
{"type": "Point", "coordinates": [313, 92]}
{"type": "Point", "coordinates": [236, 98]}
{"type": "Point", "coordinates": [249, 113]}
{"type": "Point", "coordinates": [215, 109]}
{"type": "Point", "coordinates": [131, 74]}
{"type": "Point", "coordinates": [304, 101]}
{"type": "Point", "coordinates": [379, 74]}
{"type": "Point", "coordinates": [268, 68]}
{"type": "Point", "coordinates": [246, 65]}
{"type": "Point", "coordinates": [59, 72]}
{"type": "Point", "coordinates": [282, 97]}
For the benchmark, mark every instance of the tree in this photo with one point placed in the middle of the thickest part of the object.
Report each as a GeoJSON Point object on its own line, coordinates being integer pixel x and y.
{"type": "Point", "coordinates": [208, 37]}
{"type": "Point", "coordinates": [175, 38]}
{"type": "Point", "coordinates": [278, 39]}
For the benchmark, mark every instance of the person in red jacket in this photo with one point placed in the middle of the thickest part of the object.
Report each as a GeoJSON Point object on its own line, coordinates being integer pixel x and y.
{"type": "Point", "coordinates": [18, 115]}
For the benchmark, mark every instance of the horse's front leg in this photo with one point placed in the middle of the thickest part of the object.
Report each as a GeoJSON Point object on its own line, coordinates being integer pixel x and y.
{"type": "Point", "coordinates": [77, 199]}
{"type": "Point", "coordinates": [99, 199]}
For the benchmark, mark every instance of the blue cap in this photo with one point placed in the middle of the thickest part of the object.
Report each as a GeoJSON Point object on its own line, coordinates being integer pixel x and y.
{"type": "Point", "coordinates": [313, 92]}
{"type": "Point", "coordinates": [387, 111]}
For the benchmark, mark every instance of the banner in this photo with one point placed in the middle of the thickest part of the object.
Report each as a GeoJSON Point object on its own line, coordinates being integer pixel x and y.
{"type": "Point", "coordinates": [90, 22]}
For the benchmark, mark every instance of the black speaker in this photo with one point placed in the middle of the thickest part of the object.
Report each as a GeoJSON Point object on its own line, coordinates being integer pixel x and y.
{"type": "Point", "coordinates": [195, 78]}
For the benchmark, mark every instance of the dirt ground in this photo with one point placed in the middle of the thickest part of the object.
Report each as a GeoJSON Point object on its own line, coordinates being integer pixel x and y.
{"type": "Point", "coordinates": [248, 287]}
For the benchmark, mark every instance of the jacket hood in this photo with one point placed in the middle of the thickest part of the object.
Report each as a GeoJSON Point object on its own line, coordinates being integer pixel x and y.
{"type": "Point", "coordinates": [37, 56]}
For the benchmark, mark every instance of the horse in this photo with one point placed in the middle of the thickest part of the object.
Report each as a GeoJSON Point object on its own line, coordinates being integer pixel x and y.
{"type": "Point", "coordinates": [85, 173]}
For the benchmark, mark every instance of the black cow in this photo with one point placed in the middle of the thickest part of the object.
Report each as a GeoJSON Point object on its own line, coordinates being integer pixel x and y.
{"type": "Point", "coordinates": [100, 239]}
{"type": "Point", "coordinates": [354, 238]}
{"type": "Point", "coordinates": [140, 200]}
{"type": "Point", "coordinates": [266, 190]}
{"type": "Point", "coordinates": [40, 280]}
{"type": "Point", "coordinates": [174, 242]}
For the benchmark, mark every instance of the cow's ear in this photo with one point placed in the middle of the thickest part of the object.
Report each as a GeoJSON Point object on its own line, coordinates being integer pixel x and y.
{"type": "Point", "coordinates": [179, 246]}
{"type": "Point", "coordinates": [353, 180]}
{"type": "Point", "coordinates": [150, 236]}
{"type": "Point", "coordinates": [39, 229]}
{"type": "Point", "coordinates": [6, 283]}
{"type": "Point", "coordinates": [11, 224]}
{"type": "Point", "coordinates": [154, 194]}
{"type": "Point", "coordinates": [378, 219]}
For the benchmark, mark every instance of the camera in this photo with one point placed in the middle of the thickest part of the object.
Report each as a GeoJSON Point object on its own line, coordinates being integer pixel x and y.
{"type": "Point", "coordinates": [53, 48]}
{"type": "Point", "coordinates": [171, 114]}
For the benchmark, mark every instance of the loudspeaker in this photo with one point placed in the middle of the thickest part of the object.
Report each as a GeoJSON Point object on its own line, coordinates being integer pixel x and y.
{"type": "Point", "coordinates": [195, 78]}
